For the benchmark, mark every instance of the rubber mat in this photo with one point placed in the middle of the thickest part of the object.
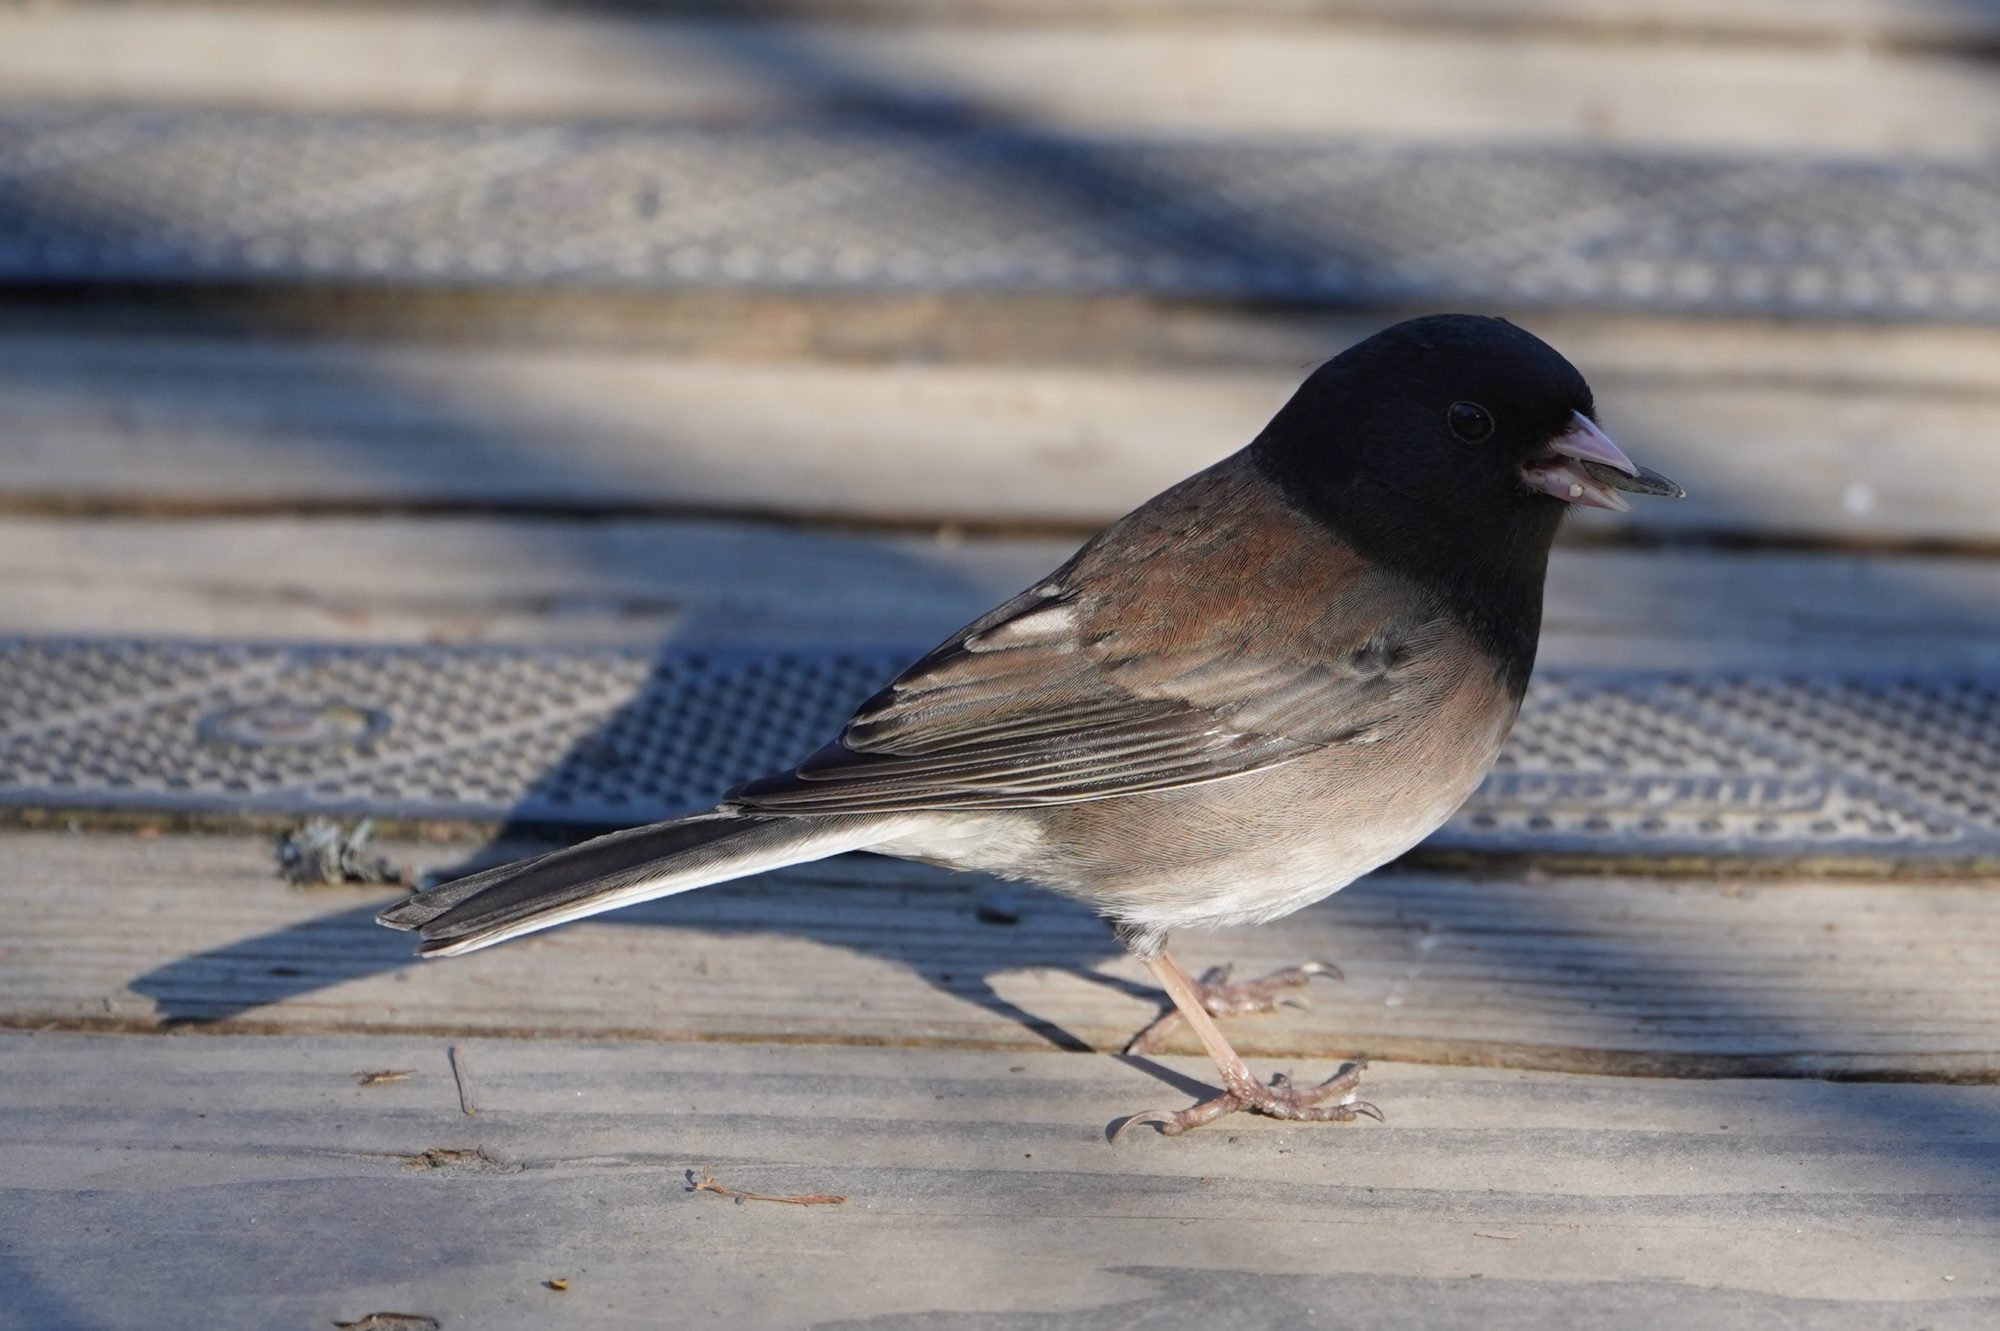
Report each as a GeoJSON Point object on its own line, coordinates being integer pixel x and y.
{"type": "Point", "coordinates": [163, 194]}
{"type": "Point", "coordinates": [1868, 767]}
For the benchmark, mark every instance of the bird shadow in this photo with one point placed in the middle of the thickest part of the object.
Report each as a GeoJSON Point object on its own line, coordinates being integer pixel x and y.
{"type": "Point", "coordinates": [857, 904]}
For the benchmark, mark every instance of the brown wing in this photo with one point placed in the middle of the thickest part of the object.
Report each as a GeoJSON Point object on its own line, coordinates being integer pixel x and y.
{"type": "Point", "coordinates": [1209, 634]}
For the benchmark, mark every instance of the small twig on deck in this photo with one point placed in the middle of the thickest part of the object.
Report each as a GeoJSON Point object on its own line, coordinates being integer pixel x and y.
{"type": "Point", "coordinates": [707, 1183]}
{"type": "Point", "coordinates": [386, 1075]}
{"type": "Point", "coordinates": [462, 1075]}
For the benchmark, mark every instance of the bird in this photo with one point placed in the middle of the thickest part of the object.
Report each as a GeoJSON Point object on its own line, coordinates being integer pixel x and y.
{"type": "Point", "coordinates": [1258, 686]}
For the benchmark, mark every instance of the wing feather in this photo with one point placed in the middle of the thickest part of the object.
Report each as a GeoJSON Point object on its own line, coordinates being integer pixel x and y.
{"type": "Point", "coordinates": [1155, 659]}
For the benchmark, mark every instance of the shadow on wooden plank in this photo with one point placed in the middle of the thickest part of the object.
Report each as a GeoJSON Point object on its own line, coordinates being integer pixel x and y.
{"type": "Point", "coordinates": [1689, 964]}
{"type": "Point", "coordinates": [220, 986]}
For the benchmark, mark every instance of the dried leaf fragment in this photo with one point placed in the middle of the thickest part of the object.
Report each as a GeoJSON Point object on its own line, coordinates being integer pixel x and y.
{"type": "Point", "coordinates": [385, 1075]}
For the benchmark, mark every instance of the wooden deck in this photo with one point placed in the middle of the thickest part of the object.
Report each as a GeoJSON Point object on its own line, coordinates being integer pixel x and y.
{"type": "Point", "coordinates": [1645, 1099]}
{"type": "Point", "coordinates": [1604, 1096]}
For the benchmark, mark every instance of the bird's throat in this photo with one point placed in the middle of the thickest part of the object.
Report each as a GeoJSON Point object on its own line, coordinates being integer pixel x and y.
{"type": "Point", "coordinates": [1486, 574]}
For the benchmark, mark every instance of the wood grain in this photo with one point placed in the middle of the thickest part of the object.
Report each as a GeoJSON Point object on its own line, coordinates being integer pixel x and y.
{"type": "Point", "coordinates": [1576, 974]}
{"type": "Point", "coordinates": [244, 1182]}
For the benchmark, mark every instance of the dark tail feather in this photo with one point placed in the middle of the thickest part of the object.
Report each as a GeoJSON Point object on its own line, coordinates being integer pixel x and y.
{"type": "Point", "coordinates": [615, 870]}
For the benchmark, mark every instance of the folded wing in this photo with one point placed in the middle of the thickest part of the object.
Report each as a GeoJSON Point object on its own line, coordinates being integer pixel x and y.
{"type": "Point", "coordinates": [1097, 684]}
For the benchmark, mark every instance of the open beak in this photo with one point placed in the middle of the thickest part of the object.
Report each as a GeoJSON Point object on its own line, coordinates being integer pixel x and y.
{"type": "Point", "coordinates": [1583, 467]}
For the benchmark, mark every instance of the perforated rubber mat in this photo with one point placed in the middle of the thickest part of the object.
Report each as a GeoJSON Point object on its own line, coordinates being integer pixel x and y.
{"type": "Point", "coordinates": [1903, 767]}
{"type": "Point", "coordinates": [123, 194]}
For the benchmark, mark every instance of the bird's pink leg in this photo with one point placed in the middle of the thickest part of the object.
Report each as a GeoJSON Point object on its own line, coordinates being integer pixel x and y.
{"type": "Point", "coordinates": [1241, 1090]}
{"type": "Point", "coordinates": [1223, 999]}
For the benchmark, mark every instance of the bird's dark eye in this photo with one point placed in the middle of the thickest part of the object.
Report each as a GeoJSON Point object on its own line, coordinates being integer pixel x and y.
{"type": "Point", "coordinates": [1469, 421]}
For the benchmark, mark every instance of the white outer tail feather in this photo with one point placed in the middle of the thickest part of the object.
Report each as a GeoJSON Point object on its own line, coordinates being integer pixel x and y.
{"type": "Point", "coordinates": [831, 841]}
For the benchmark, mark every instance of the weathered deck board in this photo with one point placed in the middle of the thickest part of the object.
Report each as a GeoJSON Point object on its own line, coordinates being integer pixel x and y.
{"type": "Point", "coordinates": [137, 422]}
{"type": "Point", "coordinates": [1105, 330]}
{"type": "Point", "coordinates": [1809, 22]}
{"type": "Point", "coordinates": [1576, 974]}
{"type": "Point", "coordinates": [1363, 78]}
{"type": "Point", "coordinates": [250, 1183]}
{"type": "Point", "coordinates": [646, 582]}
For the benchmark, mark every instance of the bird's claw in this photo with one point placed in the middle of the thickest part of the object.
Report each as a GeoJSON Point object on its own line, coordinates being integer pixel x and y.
{"type": "Point", "coordinates": [1173, 1122]}
{"type": "Point", "coordinates": [1281, 1099]}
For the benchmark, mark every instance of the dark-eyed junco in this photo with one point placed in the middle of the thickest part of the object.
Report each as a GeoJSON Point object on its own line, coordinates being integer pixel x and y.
{"type": "Point", "coordinates": [1274, 677]}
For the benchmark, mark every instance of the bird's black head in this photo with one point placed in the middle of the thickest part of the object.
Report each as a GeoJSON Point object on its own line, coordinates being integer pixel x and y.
{"type": "Point", "coordinates": [1448, 448]}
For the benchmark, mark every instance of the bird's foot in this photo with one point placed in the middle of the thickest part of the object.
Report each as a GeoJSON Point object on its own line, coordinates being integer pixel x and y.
{"type": "Point", "coordinates": [1280, 1099]}
{"type": "Point", "coordinates": [1224, 999]}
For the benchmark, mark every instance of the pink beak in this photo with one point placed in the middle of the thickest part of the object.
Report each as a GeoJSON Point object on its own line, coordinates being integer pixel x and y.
{"type": "Point", "coordinates": [1583, 467]}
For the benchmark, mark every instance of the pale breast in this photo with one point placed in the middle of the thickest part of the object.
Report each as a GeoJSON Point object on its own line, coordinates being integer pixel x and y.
{"type": "Point", "coordinates": [1263, 845]}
